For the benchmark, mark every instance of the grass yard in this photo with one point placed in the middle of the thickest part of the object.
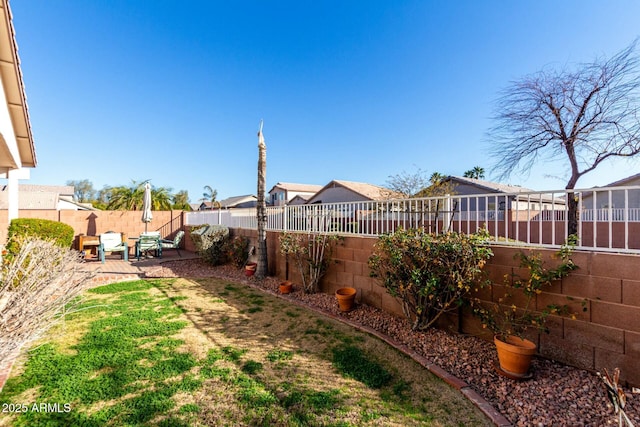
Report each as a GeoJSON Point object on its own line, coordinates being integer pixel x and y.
{"type": "Point", "coordinates": [175, 352]}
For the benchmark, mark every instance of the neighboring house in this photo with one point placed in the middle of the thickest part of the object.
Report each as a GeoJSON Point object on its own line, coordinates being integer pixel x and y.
{"type": "Point", "coordinates": [469, 186]}
{"type": "Point", "coordinates": [44, 197]}
{"type": "Point", "coordinates": [283, 192]}
{"type": "Point", "coordinates": [299, 200]}
{"type": "Point", "coordinates": [17, 149]}
{"type": "Point", "coordinates": [617, 199]}
{"type": "Point", "coordinates": [246, 201]}
{"type": "Point", "coordinates": [206, 206]}
{"type": "Point", "coordinates": [347, 191]}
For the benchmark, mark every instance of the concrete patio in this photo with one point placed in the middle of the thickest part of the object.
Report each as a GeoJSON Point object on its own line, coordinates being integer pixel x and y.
{"type": "Point", "coordinates": [117, 270]}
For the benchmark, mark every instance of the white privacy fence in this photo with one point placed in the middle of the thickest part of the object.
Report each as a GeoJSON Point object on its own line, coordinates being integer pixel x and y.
{"type": "Point", "coordinates": [608, 218]}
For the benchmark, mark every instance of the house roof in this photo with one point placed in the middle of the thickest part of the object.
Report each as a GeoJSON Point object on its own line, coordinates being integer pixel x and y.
{"type": "Point", "coordinates": [489, 185]}
{"type": "Point", "coordinates": [303, 197]}
{"type": "Point", "coordinates": [370, 191]}
{"type": "Point", "coordinates": [41, 196]}
{"type": "Point", "coordinates": [496, 187]}
{"type": "Point", "coordinates": [236, 200]}
{"type": "Point", "coordinates": [623, 181]}
{"type": "Point", "coordinates": [20, 153]}
{"type": "Point", "coordinates": [292, 186]}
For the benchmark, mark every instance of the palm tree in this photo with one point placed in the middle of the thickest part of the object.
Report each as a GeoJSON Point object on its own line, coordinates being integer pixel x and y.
{"type": "Point", "coordinates": [261, 270]}
{"type": "Point", "coordinates": [130, 198]}
{"type": "Point", "coordinates": [160, 198]}
{"type": "Point", "coordinates": [476, 173]}
{"type": "Point", "coordinates": [181, 201]}
{"type": "Point", "coordinates": [436, 178]}
{"type": "Point", "coordinates": [210, 194]}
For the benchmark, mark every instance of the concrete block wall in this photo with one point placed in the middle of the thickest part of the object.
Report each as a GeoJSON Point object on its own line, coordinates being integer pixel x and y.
{"type": "Point", "coordinates": [92, 223]}
{"type": "Point", "coordinates": [606, 335]}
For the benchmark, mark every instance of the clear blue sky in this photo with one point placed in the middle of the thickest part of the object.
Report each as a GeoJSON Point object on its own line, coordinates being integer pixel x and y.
{"type": "Point", "coordinates": [173, 91]}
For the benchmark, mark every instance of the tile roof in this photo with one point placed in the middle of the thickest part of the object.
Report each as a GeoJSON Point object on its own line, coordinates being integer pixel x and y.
{"type": "Point", "coordinates": [292, 186]}
{"type": "Point", "coordinates": [370, 191]}
{"type": "Point", "coordinates": [488, 185]}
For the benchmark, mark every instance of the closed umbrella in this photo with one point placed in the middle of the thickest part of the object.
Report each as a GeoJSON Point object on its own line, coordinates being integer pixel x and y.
{"type": "Point", "coordinates": [147, 216]}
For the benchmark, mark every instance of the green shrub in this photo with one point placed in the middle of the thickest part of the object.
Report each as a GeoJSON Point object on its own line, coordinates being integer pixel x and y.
{"type": "Point", "coordinates": [430, 274]}
{"type": "Point", "coordinates": [59, 233]}
{"type": "Point", "coordinates": [211, 243]}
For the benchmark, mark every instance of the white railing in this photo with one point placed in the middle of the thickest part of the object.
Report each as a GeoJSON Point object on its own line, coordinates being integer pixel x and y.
{"type": "Point", "coordinates": [534, 218]}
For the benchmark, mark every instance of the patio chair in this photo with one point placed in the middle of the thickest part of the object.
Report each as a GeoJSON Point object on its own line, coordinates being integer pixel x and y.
{"type": "Point", "coordinates": [149, 241]}
{"type": "Point", "coordinates": [113, 242]}
{"type": "Point", "coordinates": [173, 244]}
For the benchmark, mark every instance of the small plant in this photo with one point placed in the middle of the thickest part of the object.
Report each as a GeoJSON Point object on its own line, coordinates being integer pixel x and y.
{"type": "Point", "coordinates": [311, 254]}
{"type": "Point", "coordinates": [616, 396]}
{"type": "Point", "coordinates": [430, 274]}
{"type": "Point", "coordinates": [506, 318]}
{"type": "Point", "coordinates": [238, 251]}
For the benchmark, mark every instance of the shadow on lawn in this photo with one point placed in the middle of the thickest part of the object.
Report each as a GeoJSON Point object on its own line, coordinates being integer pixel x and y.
{"type": "Point", "coordinates": [257, 360]}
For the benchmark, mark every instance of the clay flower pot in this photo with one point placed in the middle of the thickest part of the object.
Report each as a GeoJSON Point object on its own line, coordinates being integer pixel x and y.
{"type": "Point", "coordinates": [514, 356]}
{"type": "Point", "coordinates": [286, 287]}
{"type": "Point", "coordinates": [346, 297]}
{"type": "Point", "coordinates": [250, 268]}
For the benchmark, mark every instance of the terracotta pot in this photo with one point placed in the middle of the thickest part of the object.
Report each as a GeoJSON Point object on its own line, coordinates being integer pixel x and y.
{"type": "Point", "coordinates": [346, 297]}
{"type": "Point", "coordinates": [286, 287]}
{"type": "Point", "coordinates": [515, 355]}
{"type": "Point", "coordinates": [250, 269]}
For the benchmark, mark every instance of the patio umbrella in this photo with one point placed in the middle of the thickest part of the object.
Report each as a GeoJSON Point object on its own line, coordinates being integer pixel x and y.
{"type": "Point", "coordinates": [147, 216]}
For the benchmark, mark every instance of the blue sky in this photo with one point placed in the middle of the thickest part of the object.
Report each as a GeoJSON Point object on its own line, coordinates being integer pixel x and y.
{"type": "Point", "coordinates": [173, 91]}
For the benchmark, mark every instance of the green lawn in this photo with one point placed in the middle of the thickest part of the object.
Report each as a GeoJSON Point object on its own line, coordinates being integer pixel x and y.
{"type": "Point", "coordinates": [175, 352]}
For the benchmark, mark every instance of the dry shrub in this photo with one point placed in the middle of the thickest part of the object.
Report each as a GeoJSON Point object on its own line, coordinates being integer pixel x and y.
{"type": "Point", "coordinates": [37, 287]}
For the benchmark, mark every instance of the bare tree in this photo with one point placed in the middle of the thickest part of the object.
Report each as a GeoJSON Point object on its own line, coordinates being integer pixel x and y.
{"type": "Point", "coordinates": [590, 114]}
{"type": "Point", "coordinates": [408, 184]}
{"type": "Point", "coordinates": [261, 269]}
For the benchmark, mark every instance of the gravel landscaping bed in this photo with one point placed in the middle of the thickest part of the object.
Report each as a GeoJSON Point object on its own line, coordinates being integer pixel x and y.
{"type": "Point", "coordinates": [557, 395]}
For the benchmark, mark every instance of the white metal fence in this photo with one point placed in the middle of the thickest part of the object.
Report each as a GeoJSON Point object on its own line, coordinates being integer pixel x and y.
{"type": "Point", "coordinates": [608, 217]}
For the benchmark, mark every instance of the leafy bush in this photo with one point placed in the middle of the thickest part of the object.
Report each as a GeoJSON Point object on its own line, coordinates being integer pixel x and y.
{"type": "Point", "coordinates": [59, 233]}
{"type": "Point", "coordinates": [430, 274]}
{"type": "Point", "coordinates": [238, 251]}
{"type": "Point", "coordinates": [211, 243]}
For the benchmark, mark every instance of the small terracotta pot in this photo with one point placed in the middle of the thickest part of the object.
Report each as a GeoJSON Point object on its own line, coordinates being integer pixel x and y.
{"type": "Point", "coordinates": [250, 269]}
{"type": "Point", "coordinates": [286, 287]}
{"type": "Point", "coordinates": [346, 297]}
{"type": "Point", "coordinates": [515, 355]}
